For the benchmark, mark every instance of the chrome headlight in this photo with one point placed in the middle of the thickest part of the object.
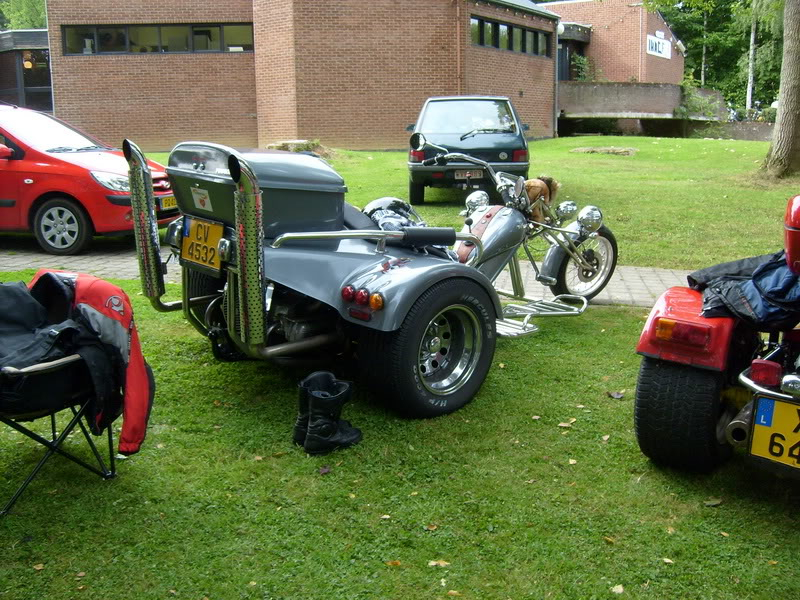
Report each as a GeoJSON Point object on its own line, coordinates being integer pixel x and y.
{"type": "Point", "coordinates": [476, 200]}
{"type": "Point", "coordinates": [590, 218]}
{"type": "Point", "coordinates": [565, 210]}
{"type": "Point", "coordinates": [112, 181]}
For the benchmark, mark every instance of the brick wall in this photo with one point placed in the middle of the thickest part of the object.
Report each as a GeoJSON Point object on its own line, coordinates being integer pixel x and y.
{"type": "Point", "coordinates": [619, 33]}
{"type": "Point", "coordinates": [155, 99]}
{"type": "Point", "coordinates": [527, 80]}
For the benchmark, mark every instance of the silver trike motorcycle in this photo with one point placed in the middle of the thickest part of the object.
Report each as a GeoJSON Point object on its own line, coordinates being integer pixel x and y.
{"type": "Point", "coordinates": [277, 266]}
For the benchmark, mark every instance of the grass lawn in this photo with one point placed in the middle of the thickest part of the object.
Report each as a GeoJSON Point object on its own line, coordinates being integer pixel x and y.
{"type": "Point", "coordinates": [502, 499]}
{"type": "Point", "coordinates": [536, 489]}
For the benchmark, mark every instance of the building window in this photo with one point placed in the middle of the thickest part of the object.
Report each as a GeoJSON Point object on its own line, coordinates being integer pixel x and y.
{"type": "Point", "coordinates": [107, 39]}
{"type": "Point", "coordinates": [509, 37]}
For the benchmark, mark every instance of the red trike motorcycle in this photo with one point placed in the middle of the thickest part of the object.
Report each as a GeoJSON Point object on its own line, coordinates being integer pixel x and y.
{"type": "Point", "coordinates": [721, 364]}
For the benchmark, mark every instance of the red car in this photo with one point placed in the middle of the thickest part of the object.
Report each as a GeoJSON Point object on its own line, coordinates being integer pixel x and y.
{"type": "Point", "coordinates": [64, 185]}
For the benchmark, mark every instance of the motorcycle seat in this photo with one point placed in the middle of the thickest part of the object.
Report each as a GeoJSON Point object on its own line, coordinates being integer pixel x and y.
{"type": "Point", "coordinates": [355, 219]}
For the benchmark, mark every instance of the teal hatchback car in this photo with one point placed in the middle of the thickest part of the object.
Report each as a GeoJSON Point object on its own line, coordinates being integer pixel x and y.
{"type": "Point", "coordinates": [486, 127]}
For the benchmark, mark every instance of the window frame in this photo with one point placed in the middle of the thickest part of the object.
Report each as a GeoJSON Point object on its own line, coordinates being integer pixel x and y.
{"type": "Point", "coordinates": [530, 39]}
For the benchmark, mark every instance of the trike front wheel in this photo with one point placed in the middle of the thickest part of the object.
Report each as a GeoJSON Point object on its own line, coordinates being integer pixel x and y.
{"type": "Point", "coordinates": [574, 278]}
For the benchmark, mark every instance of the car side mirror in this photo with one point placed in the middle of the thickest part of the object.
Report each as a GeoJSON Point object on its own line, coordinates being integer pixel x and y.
{"type": "Point", "coordinates": [5, 152]}
{"type": "Point", "coordinates": [525, 127]}
{"type": "Point", "coordinates": [410, 127]}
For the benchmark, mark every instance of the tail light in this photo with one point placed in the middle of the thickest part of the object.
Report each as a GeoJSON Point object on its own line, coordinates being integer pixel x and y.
{"type": "Point", "coordinates": [693, 334]}
{"type": "Point", "coordinates": [520, 156]}
{"type": "Point", "coordinates": [362, 297]}
{"type": "Point", "coordinates": [416, 155]}
{"type": "Point", "coordinates": [766, 372]}
{"type": "Point", "coordinates": [348, 293]}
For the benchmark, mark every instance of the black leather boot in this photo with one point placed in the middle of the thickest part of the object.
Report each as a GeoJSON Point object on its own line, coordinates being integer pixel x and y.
{"type": "Point", "coordinates": [326, 432]}
{"type": "Point", "coordinates": [317, 380]}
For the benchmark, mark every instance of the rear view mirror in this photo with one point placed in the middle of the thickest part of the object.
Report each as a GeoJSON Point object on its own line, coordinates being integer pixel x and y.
{"type": "Point", "coordinates": [525, 127]}
{"type": "Point", "coordinates": [417, 141]}
{"type": "Point", "coordinates": [410, 127]}
{"type": "Point", "coordinates": [5, 152]}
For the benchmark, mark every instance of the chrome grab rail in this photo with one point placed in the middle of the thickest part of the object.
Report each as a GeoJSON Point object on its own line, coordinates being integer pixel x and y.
{"type": "Point", "coordinates": [369, 234]}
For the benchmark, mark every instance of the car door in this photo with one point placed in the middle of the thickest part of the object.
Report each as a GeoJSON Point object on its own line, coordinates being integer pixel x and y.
{"type": "Point", "coordinates": [10, 186]}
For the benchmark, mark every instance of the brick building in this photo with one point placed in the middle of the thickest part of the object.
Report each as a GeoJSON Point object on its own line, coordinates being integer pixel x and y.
{"type": "Point", "coordinates": [248, 72]}
{"type": "Point", "coordinates": [25, 69]}
{"type": "Point", "coordinates": [623, 41]}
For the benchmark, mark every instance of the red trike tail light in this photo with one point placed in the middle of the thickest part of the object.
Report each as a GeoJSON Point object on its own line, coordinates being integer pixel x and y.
{"type": "Point", "coordinates": [694, 334]}
{"type": "Point", "coordinates": [766, 372]}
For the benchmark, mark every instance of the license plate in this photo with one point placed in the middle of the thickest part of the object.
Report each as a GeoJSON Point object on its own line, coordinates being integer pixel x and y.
{"type": "Point", "coordinates": [470, 174]}
{"type": "Point", "coordinates": [168, 202]}
{"type": "Point", "coordinates": [200, 241]}
{"type": "Point", "coordinates": [776, 431]}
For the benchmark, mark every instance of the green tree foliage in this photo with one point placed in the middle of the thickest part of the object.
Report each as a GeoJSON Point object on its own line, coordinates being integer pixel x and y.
{"type": "Point", "coordinates": [24, 14]}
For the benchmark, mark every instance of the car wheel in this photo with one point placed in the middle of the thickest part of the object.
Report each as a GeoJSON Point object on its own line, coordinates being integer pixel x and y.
{"type": "Point", "coordinates": [679, 415]}
{"type": "Point", "coordinates": [436, 362]}
{"type": "Point", "coordinates": [416, 193]}
{"type": "Point", "coordinates": [62, 227]}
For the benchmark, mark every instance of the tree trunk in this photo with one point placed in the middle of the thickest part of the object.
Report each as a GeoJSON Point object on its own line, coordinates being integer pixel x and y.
{"type": "Point", "coordinates": [751, 66]}
{"type": "Point", "coordinates": [703, 63]}
{"type": "Point", "coordinates": [783, 157]}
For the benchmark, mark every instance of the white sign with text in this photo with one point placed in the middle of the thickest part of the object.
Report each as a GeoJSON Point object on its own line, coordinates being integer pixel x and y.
{"type": "Point", "coordinates": [659, 47]}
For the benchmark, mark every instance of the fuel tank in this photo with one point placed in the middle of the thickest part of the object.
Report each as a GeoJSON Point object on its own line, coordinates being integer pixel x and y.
{"type": "Point", "coordinates": [501, 229]}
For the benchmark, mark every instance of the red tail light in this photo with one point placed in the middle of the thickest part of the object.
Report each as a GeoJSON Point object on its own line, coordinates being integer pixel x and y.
{"type": "Point", "coordinates": [520, 156]}
{"type": "Point", "coordinates": [348, 293]}
{"type": "Point", "coordinates": [693, 334]}
{"type": "Point", "coordinates": [766, 372]}
{"type": "Point", "coordinates": [416, 155]}
{"type": "Point", "coordinates": [362, 297]}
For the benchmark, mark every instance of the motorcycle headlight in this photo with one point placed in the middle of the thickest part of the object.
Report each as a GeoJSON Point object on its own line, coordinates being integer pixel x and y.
{"type": "Point", "coordinates": [565, 210]}
{"type": "Point", "coordinates": [476, 200]}
{"type": "Point", "coordinates": [590, 218]}
{"type": "Point", "coordinates": [112, 181]}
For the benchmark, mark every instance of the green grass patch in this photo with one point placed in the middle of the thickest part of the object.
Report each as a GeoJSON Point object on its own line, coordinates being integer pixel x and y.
{"type": "Point", "coordinates": [220, 505]}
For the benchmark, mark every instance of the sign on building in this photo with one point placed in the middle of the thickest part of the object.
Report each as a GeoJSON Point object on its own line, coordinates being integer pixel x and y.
{"type": "Point", "coordinates": [659, 47]}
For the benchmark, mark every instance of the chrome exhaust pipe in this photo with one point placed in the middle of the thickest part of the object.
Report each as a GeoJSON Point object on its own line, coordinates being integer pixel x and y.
{"type": "Point", "coordinates": [737, 432]}
{"type": "Point", "coordinates": [290, 348]}
{"type": "Point", "coordinates": [249, 251]}
{"type": "Point", "coordinates": [145, 228]}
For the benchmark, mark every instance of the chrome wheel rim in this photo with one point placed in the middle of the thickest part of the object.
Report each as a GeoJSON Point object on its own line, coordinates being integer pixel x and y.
{"type": "Point", "coordinates": [598, 252]}
{"type": "Point", "coordinates": [449, 350]}
{"type": "Point", "coordinates": [59, 227]}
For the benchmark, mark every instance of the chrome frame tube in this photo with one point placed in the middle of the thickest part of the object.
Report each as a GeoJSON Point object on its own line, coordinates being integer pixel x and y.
{"type": "Point", "coordinates": [249, 251]}
{"type": "Point", "coordinates": [368, 234]}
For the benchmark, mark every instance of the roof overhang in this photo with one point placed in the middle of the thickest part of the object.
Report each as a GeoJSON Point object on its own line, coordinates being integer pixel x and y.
{"type": "Point", "coordinates": [525, 6]}
{"type": "Point", "coordinates": [23, 39]}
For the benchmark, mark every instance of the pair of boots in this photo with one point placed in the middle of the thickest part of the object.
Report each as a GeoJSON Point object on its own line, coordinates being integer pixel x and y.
{"type": "Point", "coordinates": [318, 428]}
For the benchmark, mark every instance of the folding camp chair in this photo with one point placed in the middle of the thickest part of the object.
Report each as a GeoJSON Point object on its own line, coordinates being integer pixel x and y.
{"type": "Point", "coordinates": [44, 390]}
{"type": "Point", "coordinates": [68, 343]}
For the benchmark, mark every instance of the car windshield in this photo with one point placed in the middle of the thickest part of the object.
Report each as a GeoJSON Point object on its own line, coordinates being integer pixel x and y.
{"type": "Point", "coordinates": [466, 116]}
{"type": "Point", "coordinates": [48, 134]}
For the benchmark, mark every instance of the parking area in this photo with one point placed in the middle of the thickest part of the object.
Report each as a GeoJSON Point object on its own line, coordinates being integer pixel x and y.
{"type": "Point", "coordinates": [115, 258]}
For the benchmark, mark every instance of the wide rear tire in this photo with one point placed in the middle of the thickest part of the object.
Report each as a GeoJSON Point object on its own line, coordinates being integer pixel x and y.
{"type": "Point", "coordinates": [438, 359]}
{"type": "Point", "coordinates": [678, 415]}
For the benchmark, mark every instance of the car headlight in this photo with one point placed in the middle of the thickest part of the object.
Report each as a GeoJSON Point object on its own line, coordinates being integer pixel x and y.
{"type": "Point", "coordinates": [112, 181]}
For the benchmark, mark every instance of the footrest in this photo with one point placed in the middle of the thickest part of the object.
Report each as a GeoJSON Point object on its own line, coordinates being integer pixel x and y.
{"type": "Point", "coordinates": [511, 325]}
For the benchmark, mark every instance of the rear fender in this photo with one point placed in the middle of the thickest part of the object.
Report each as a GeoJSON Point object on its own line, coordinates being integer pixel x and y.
{"type": "Point", "coordinates": [399, 276]}
{"type": "Point", "coordinates": [683, 305]}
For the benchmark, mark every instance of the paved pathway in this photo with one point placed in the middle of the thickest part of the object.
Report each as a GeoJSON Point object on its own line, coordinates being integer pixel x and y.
{"type": "Point", "coordinates": [115, 258]}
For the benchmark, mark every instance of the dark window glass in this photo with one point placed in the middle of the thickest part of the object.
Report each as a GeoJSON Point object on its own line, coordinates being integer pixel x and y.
{"type": "Point", "coordinates": [475, 31]}
{"type": "Point", "coordinates": [206, 38]}
{"type": "Point", "coordinates": [39, 100]}
{"type": "Point", "coordinates": [488, 34]}
{"type": "Point", "coordinates": [112, 39]}
{"type": "Point", "coordinates": [543, 45]}
{"type": "Point", "coordinates": [238, 38]}
{"type": "Point", "coordinates": [79, 40]}
{"type": "Point", "coordinates": [143, 38]}
{"type": "Point", "coordinates": [517, 39]}
{"type": "Point", "coordinates": [175, 38]}
{"type": "Point", "coordinates": [530, 47]}
{"type": "Point", "coordinates": [504, 37]}
{"type": "Point", "coordinates": [36, 68]}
